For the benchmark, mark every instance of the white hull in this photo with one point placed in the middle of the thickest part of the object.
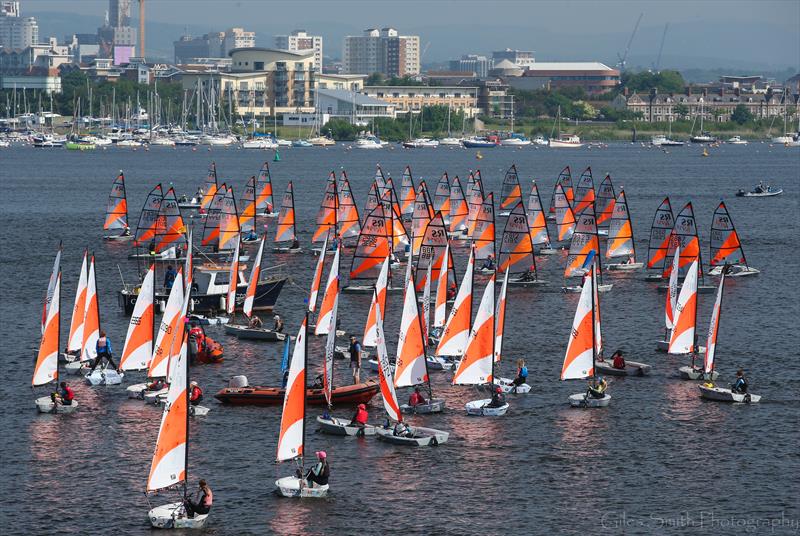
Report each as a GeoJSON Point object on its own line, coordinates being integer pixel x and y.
{"type": "Point", "coordinates": [737, 270]}
{"type": "Point", "coordinates": [515, 142]}
{"type": "Point", "coordinates": [439, 363]}
{"type": "Point", "coordinates": [720, 394]}
{"type": "Point", "coordinates": [155, 397]}
{"type": "Point", "coordinates": [198, 411]}
{"type": "Point", "coordinates": [435, 405]}
{"type": "Point", "coordinates": [581, 400]}
{"type": "Point", "coordinates": [210, 320]}
{"type": "Point", "coordinates": [632, 368]}
{"type": "Point", "coordinates": [173, 516]}
{"type": "Point", "coordinates": [118, 238]}
{"type": "Point", "coordinates": [421, 437]}
{"type": "Point", "coordinates": [693, 373]}
{"type": "Point", "coordinates": [359, 289]}
{"type": "Point", "coordinates": [291, 486]}
{"type": "Point", "coordinates": [508, 387]}
{"type": "Point", "coordinates": [287, 250]}
{"type": "Point", "coordinates": [603, 287]}
{"type": "Point", "coordinates": [546, 251]}
{"type": "Point", "coordinates": [258, 334]}
{"type": "Point", "coordinates": [527, 283]}
{"type": "Point", "coordinates": [104, 377]}
{"type": "Point", "coordinates": [136, 391]}
{"type": "Point", "coordinates": [625, 267]}
{"type": "Point", "coordinates": [45, 405]}
{"type": "Point", "coordinates": [557, 144]}
{"type": "Point", "coordinates": [77, 367]}
{"type": "Point", "coordinates": [341, 427]}
{"type": "Point", "coordinates": [478, 408]}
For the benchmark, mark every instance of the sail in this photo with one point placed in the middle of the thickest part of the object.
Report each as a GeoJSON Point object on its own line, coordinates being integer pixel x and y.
{"type": "Point", "coordinates": [170, 230]}
{"type": "Point", "coordinates": [459, 211]}
{"type": "Point", "coordinates": [456, 330]}
{"type": "Point", "coordinates": [725, 245]}
{"type": "Point", "coordinates": [51, 285]}
{"type": "Point", "coordinates": [328, 299]}
{"type": "Point", "coordinates": [394, 223]}
{"type": "Point", "coordinates": [584, 242]}
{"type": "Point", "coordinates": [255, 273]}
{"type": "Point", "coordinates": [229, 222]}
{"type": "Point", "coordinates": [410, 366]}
{"type": "Point", "coordinates": [431, 252]}
{"type": "Point", "coordinates": [440, 308]}
{"type": "Point", "coordinates": [117, 206]}
{"type": "Point", "coordinates": [139, 340]}
{"type": "Point", "coordinates": [148, 218]}
{"type": "Point", "coordinates": [233, 281]}
{"type": "Point", "coordinates": [378, 298]}
{"type": "Point", "coordinates": [390, 193]}
{"type": "Point", "coordinates": [426, 305]}
{"type": "Point", "coordinates": [286, 218]}
{"type": "Point", "coordinates": [209, 188]}
{"type": "Point", "coordinates": [484, 231]}
{"type": "Point", "coordinates": [422, 215]}
{"type": "Point", "coordinates": [536, 218]}
{"type": "Point", "coordinates": [475, 367]}
{"type": "Point", "coordinates": [265, 204]}
{"type": "Point", "coordinates": [685, 236]}
{"type": "Point", "coordinates": [663, 223]}
{"type": "Point", "coordinates": [620, 232]}
{"type": "Point", "coordinates": [372, 247]}
{"type": "Point", "coordinates": [75, 338]}
{"type": "Point", "coordinates": [475, 203]}
{"type": "Point", "coordinates": [511, 192]}
{"type": "Point", "coordinates": [579, 359]}
{"type": "Point", "coordinates": [379, 179]}
{"type": "Point", "coordinates": [373, 198]}
{"type": "Point", "coordinates": [565, 181]}
{"type": "Point", "coordinates": [290, 440]}
{"type": "Point", "coordinates": [317, 279]}
{"type": "Point", "coordinates": [516, 249]}
{"type": "Point", "coordinates": [213, 217]}
{"type": "Point", "coordinates": [188, 263]}
{"type": "Point", "coordinates": [584, 192]}
{"type": "Point", "coordinates": [159, 361]}
{"type": "Point", "coordinates": [385, 372]}
{"type": "Point", "coordinates": [605, 202]}
{"type": "Point", "coordinates": [330, 348]}
{"type": "Point", "coordinates": [169, 459]}
{"type": "Point", "coordinates": [349, 222]}
{"type": "Point", "coordinates": [500, 316]}
{"type": "Point", "coordinates": [326, 216]}
{"type": "Point", "coordinates": [713, 329]}
{"type": "Point", "coordinates": [672, 292]}
{"type": "Point", "coordinates": [441, 198]}
{"type": "Point", "coordinates": [46, 368]}
{"type": "Point", "coordinates": [91, 316]}
{"type": "Point", "coordinates": [247, 218]}
{"type": "Point", "coordinates": [565, 217]}
{"type": "Point", "coordinates": [407, 194]}
{"type": "Point", "coordinates": [682, 339]}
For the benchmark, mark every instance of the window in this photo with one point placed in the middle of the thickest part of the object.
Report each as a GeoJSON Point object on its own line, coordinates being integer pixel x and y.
{"type": "Point", "coordinates": [258, 65]}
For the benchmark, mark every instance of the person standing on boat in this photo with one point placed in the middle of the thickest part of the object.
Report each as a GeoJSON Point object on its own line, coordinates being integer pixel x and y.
{"type": "Point", "coordinates": [416, 398]}
{"type": "Point", "coordinates": [355, 359]}
{"type": "Point", "coordinates": [740, 384]}
{"type": "Point", "coordinates": [360, 416]}
{"type": "Point", "coordinates": [498, 399]}
{"type": "Point", "coordinates": [522, 373]}
{"type": "Point", "coordinates": [169, 277]}
{"type": "Point", "coordinates": [202, 501]}
{"type": "Point", "coordinates": [195, 393]}
{"type": "Point", "coordinates": [617, 361]}
{"type": "Point", "coordinates": [321, 472]}
{"type": "Point", "coordinates": [103, 350]}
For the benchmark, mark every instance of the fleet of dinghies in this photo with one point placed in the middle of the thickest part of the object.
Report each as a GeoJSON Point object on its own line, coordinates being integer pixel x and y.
{"type": "Point", "coordinates": [407, 229]}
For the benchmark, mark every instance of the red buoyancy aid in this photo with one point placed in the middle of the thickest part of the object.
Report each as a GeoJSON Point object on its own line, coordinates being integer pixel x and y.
{"type": "Point", "coordinates": [361, 416]}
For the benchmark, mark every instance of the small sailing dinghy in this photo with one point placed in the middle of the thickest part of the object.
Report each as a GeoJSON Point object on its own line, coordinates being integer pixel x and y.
{"type": "Point", "coordinates": [511, 192]}
{"type": "Point", "coordinates": [327, 216]}
{"type": "Point", "coordinates": [506, 384]}
{"type": "Point", "coordinates": [540, 236]}
{"type": "Point", "coordinates": [660, 236]}
{"type": "Point", "coordinates": [483, 235]}
{"type": "Point", "coordinates": [117, 211]}
{"type": "Point", "coordinates": [584, 250]}
{"type": "Point", "coordinates": [685, 236]}
{"type": "Point", "coordinates": [516, 250]}
{"type": "Point", "coordinates": [420, 218]}
{"type": "Point", "coordinates": [286, 230]}
{"type": "Point", "coordinates": [565, 217]}
{"type": "Point", "coordinates": [441, 198]}
{"type": "Point", "coordinates": [459, 211]}
{"type": "Point", "coordinates": [581, 355]}
{"type": "Point", "coordinates": [440, 314]}
{"type": "Point", "coordinates": [138, 347]}
{"type": "Point", "coordinates": [726, 249]}
{"type": "Point", "coordinates": [205, 193]}
{"type": "Point", "coordinates": [620, 237]}
{"type": "Point", "coordinates": [407, 194]}
{"type": "Point", "coordinates": [683, 337]}
{"type": "Point", "coordinates": [91, 333]}
{"type": "Point", "coordinates": [74, 355]}
{"type": "Point", "coordinates": [564, 180]}
{"type": "Point", "coordinates": [456, 331]}
{"type": "Point", "coordinates": [477, 365]}
{"type": "Point", "coordinates": [605, 202]}
{"type": "Point", "coordinates": [372, 248]}
{"type": "Point", "coordinates": [347, 217]}
{"type": "Point", "coordinates": [708, 390]}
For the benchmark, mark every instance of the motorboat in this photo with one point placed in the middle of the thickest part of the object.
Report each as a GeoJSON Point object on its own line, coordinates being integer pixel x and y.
{"type": "Point", "coordinates": [420, 143]}
{"type": "Point", "coordinates": [737, 140]}
{"type": "Point", "coordinates": [566, 141]}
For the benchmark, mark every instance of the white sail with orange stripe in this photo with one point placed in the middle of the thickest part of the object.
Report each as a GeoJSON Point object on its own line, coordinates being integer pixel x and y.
{"type": "Point", "coordinates": [500, 320]}
{"type": "Point", "coordinates": [229, 230]}
{"type": "Point", "coordinates": [148, 218]}
{"type": "Point", "coordinates": [605, 202]}
{"type": "Point", "coordinates": [290, 439]}
{"type": "Point", "coordinates": [620, 232]}
{"type": "Point", "coordinates": [349, 221]}
{"type": "Point", "coordinates": [672, 291]}
{"type": "Point", "coordinates": [255, 274]}
{"type": "Point", "coordinates": [584, 192]}
{"type": "Point", "coordinates": [328, 211]}
{"type": "Point", "coordinates": [159, 361]}
{"type": "Point", "coordinates": [75, 338]}
{"type": "Point", "coordinates": [660, 231]}
{"type": "Point", "coordinates": [170, 230]}
{"type": "Point", "coordinates": [516, 249]}
{"type": "Point", "coordinates": [51, 285]}
{"type": "Point", "coordinates": [475, 202]}
{"type": "Point", "coordinates": [265, 204]}
{"type": "Point", "coordinates": [511, 192]}
{"type": "Point", "coordinates": [476, 367]}
{"type": "Point", "coordinates": [484, 231]}
{"type": "Point", "coordinates": [682, 338]}
{"type": "Point", "coordinates": [138, 347]}
{"type": "Point", "coordinates": [91, 316]}
{"type": "Point", "coordinates": [117, 206]}
{"type": "Point", "coordinates": [385, 372]}
{"type": "Point", "coordinates": [378, 298]}
{"type": "Point", "coordinates": [330, 296]}
{"type": "Point", "coordinates": [456, 330]}
{"type": "Point", "coordinates": [565, 218]}
{"type": "Point", "coordinates": [372, 247]}
{"type": "Point", "coordinates": [564, 180]}
{"type": "Point", "coordinates": [210, 188]}
{"type": "Point", "coordinates": [426, 305]}
{"type": "Point", "coordinates": [286, 219]}
{"type": "Point", "coordinates": [441, 198]}
{"type": "Point", "coordinates": [422, 215]}
{"type": "Point", "coordinates": [725, 245]}
{"type": "Point", "coordinates": [579, 359]}
{"type": "Point", "coordinates": [247, 218]}
{"type": "Point", "coordinates": [317, 278]}
{"type": "Point", "coordinates": [410, 367]}
{"type": "Point", "coordinates": [685, 236]}
{"type": "Point", "coordinates": [394, 222]}
{"type": "Point", "coordinates": [213, 217]}
{"type": "Point", "coordinates": [440, 309]}
{"type": "Point", "coordinates": [188, 263]}
{"type": "Point", "coordinates": [46, 368]}
{"type": "Point", "coordinates": [536, 218]}
{"type": "Point", "coordinates": [431, 253]}
{"type": "Point", "coordinates": [713, 329]}
{"type": "Point", "coordinates": [459, 211]}
{"type": "Point", "coordinates": [584, 242]}
{"type": "Point", "coordinates": [233, 280]}
{"type": "Point", "coordinates": [407, 194]}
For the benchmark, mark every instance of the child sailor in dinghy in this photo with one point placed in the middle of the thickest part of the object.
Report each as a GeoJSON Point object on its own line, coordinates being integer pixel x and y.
{"type": "Point", "coordinates": [64, 396]}
{"type": "Point", "coordinates": [320, 473]}
{"type": "Point", "coordinates": [103, 351]}
{"type": "Point", "coordinates": [597, 390]}
{"type": "Point", "coordinates": [522, 374]}
{"type": "Point", "coordinates": [739, 385]}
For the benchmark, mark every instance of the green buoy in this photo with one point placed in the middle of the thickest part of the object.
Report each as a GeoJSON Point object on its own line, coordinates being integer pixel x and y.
{"type": "Point", "coordinates": [277, 157]}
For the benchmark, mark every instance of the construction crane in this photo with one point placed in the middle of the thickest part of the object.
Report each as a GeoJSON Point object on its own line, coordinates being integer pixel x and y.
{"type": "Point", "coordinates": [657, 64]}
{"type": "Point", "coordinates": [624, 56]}
{"type": "Point", "coordinates": [141, 28]}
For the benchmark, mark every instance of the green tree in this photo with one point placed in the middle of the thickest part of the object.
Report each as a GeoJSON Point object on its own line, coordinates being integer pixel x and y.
{"type": "Point", "coordinates": [681, 110]}
{"type": "Point", "coordinates": [642, 82]}
{"type": "Point", "coordinates": [340, 129]}
{"type": "Point", "coordinates": [741, 115]}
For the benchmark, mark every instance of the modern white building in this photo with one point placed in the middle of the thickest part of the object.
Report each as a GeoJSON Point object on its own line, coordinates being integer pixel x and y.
{"type": "Point", "coordinates": [382, 51]}
{"type": "Point", "coordinates": [355, 107]}
{"type": "Point", "coordinates": [521, 58]}
{"type": "Point", "coordinates": [16, 32]}
{"type": "Point", "coordinates": [301, 41]}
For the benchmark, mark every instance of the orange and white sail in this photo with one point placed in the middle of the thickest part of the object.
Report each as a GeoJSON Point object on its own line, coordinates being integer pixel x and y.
{"type": "Point", "coordinates": [159, 361]}
{"type": "Point", "coordinates": [660, 231]}
{"type": "Point", "coordinates": [421, 217]}
{"type": "Point", "coordinates": [585, 242]}
{"type": "Point", "coordinates": [441, 198]}
{"type": "Point", "coordinates": [565, 217]}
{"type": "Point", "coordinates": [682, 338]}
{"type": "Point", "coordinates": [290, 439]}
{"type": "Point", "coordinates": [378, 299]}
{"type": "Point", "coordinates": [713, 329]}
{"type": "Point", "coordinates": [565, 181]}
{"type": "Point", "coordinates": [459, 211]}
{"type": "Point", "coordinates": [500, 320]}
{"type": "Point", "coordinates": [265, 204]}
{"type": "Point", "coordinates": [138, 347]}
{"type": "Point", "coordinates": [170, 230]}
{"type": "Point", "coordinates": [252, 285]}
{"type": "Point", "coordinates": [516, 249]}
{"type": "Point", "coordinates": [247, 218]}
{"type": "Point", "coordinates": [431, 253]}
{"type": "Point", "coordinates": [620, 231]}
{"type": "Point", "coordinates": [410, 367]}
{"type": "Point", "coordinates": [474, 203]}
{"type": "Point", "coordinates": [188, 263]}
{"type": "Point", "coordinates": [233, 281]}
{"type": "Point", "coordinates": [456, 331]}
{"type": "Point", "coordinates": [483, 234]}
{"type": "Point", "coordinates": [46, 368]}
{"type": "Point", "coordinates": [536, 218]}
{"type": "Point", "coordinates": [726, 248]}
{"type": "Point", "coordinates": [440, 309]}
{"type": "Point", "coordinates": [385, 372]}
{"type": "Point", "coordinates": [372, 247]}
{"type": "Point", "coordinates": [91, 316]}
{"type": "Point", "coordinates": [407, 194]}
{"type": "Point", "coordinates": [168, 467]}
{"type": "Point", "coordinates": [510, 192]}
{"type": "Point", "coordinates": [317, 278]}
{"type": "Point", "coordinates": [229, 230]}
{"type": "Point", "coordinates": [394, 222]}
{"type": "Point", "coordinates": [579, 359]}
{"type": "Point", "coordinates": [373, 198]}
{"type": "Point", "coordinates": [75, 338]}
{"type": "Point", "coordinates": [476, 364]}
{"type": "Point", "coordinates": [584, 191]}
{"type": "Point", "coordinates": [213, 217]}
{"type": "Point", "coordinates": [117, 206]}
{"type": "Point", "coordinates": [349, 221]}
{"type": "Point", "coordinates": [426, 305]}
{"type": "Point", "coordinates": [328, 211]}
{"type": "Point", "coordinates": [286, 230]}
{"type": "Point", "coordinates": [210, 188]}
{"type": "Point", "coordinates": [685, 236]}
{"type": "Point", "coordinates": [330, 348]}
{"type": "Point", "coordinates": [605, 202]}
{"type": "Point", "coordinates": [51, 285]}
{"type": "Point", "coordinates": [330, 296]}
{"type": "Point", "coordinates": [672, 291]}
{"type": "Point", "coordinates": [148, 218]}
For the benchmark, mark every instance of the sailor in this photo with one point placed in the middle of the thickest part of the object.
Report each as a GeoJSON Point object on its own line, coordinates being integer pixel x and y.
{"type": "Point", "coordinates": [195, 393]}
{"type": "Point", "coordinates": [401, 429]}
{"type": "Point", "coordinates": [360, 416]}
{"type": "Point", "coordinates": [152, 248]}
{"type": "Point", "coordinates": [202, 501]}
{"type": "Point", "coordinates": [416, 398]}
{"type": "Point", "coordinates": [522, 373]}
{"type": "Point", "coordinates": [355, 359]}
{"type": "Point", "coordinates": [251, 236]}
{"type": "Point", "coordinates": [334, 243]}
{"type": "Point", "coordinates": [278, 326]}
{"type": "Point", "coordinates": [528, 276]}
{"type": "Point", "coordinates": [295, 244]}
{"type": "Point", "coordinates": [196, 340]}
{"type": "Point", "coordinates": [126, 231]}
{"type": "Point", "coordinates": [740, 384]}
{"type": "Point", "coordinates": [255, 322]}
{"type": "Point", "coordinates": [488, 263]}
{"type": "Point", "coordinates": [597, 390]}
{"type": "Point", "coordinates": [451, 290]}
{"type": "Point", "coordinates": [498, 399]}
{"type": "Point", "coordinates": [169, 277]}
{"type": "Point", "coordinates": [103, 349]}
{"type": "Point", "coordinates": [64, 396]}
{"type": "Point", "coordinates": [321, 471]}
{"type": "Point", "coordinates": [157, 385]}
{"type": "Point", "coordinates": [617, 361]}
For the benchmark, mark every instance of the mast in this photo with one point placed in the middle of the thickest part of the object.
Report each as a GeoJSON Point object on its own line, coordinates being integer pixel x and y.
{"type": "Point", "coordinates": [719, 319]}
{"type": "Point", "coordinates": [305, 385]}
{"type": "Point", "coordinates": [594, 327]}
{"type": "Point", "coordinates": [188, 411]}
{"type": "Point", "coordinates": [421, 332]}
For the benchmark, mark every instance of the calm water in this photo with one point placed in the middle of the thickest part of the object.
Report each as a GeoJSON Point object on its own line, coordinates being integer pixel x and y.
{"type": "Point", "coordinates": [658, 458]}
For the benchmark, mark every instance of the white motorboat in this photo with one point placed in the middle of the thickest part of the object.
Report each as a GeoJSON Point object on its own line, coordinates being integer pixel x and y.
{"type": "Point", "coordinates": [342, 427]}
{"type": "Point", "coordinates": [368, 142]}
{"type": "Point", "coordinates": [420, 143]}
{"type": "Point", "coordinates": [450, 142]}
{"type": "Point", "coordinates": [566, 141]}
{"type": "Point", "coordinates": [515, 141]}
{"type": "Point", "coordinates": [481, 408]}
{"type": "Point", "coordinates": [737, 140]}
{"type": "Point", "coordinates": [165, 142]}
{"type": "Point", "coordinates": [761, 190]}
{"type": "Point", "coordinates": [540, 140]}
{"type": "Point", "coordinates": [783, 140]}
{"type": "Point", "coordinates": [259, 143]}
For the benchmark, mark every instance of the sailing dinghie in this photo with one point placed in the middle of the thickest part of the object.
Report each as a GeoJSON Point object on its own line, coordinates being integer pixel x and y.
{"type": "Point", "coordinates": [138, 347]}
{"type": "Point", "coordinates": [456, 331]}
{"type": "Point", "coordinates": [683, 336]}
{"type": "Point", "coordinates": [685, 235]}
{"type": "Point", "coordinates": [459, 211]}
{"type": "Point", "coordinates": [726, 248]}
{"type": "Point", "coordinates": [584, 251]}
{"type": "Point", "coordinates": [349, 221]}
{"type": "Point", "coordinates": [540, 236]}
{"type": "Point", "coordinates": [565, 181]}
{"type": "Point", "coordinates": [565, 217]}
{"type": "Point", "coordinates": [483, 235]}
{"type": "Point", "coordinates": [506, 384]}
{"type": "Point", "coordinates": [511, 192]}
{"type": "Point", "coordinates": [620, 237]}
{"type": "Point", "coordinates": [682, 321]}
{"type": "Point", "coordinates": [371, 250]}
{"type": "Point", "coordinates": [327, 221]}
{"type": "Point", "coordinates": [604, 205]}
{"type": "Point", "coordinates": [516, 250]}
{"type": "Point", "coordinates": [441, 198]}
{"type": "Point", "coordinates": [407, 195]}
{"type": "Point", "coordinates": [91, 333]}
{"type": "Point", "coordinates": [584, 192]}
{"type": "Point", "coordinates": [660, 236]}
{"type": "Point", "coordinates": [117, 211]}
{"type": "Point", "coordinates": [287, 230]}
{"type": "Point", "coordinates": [708, 390]}
{"type": "Point", "coordinates": [74, 354]}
